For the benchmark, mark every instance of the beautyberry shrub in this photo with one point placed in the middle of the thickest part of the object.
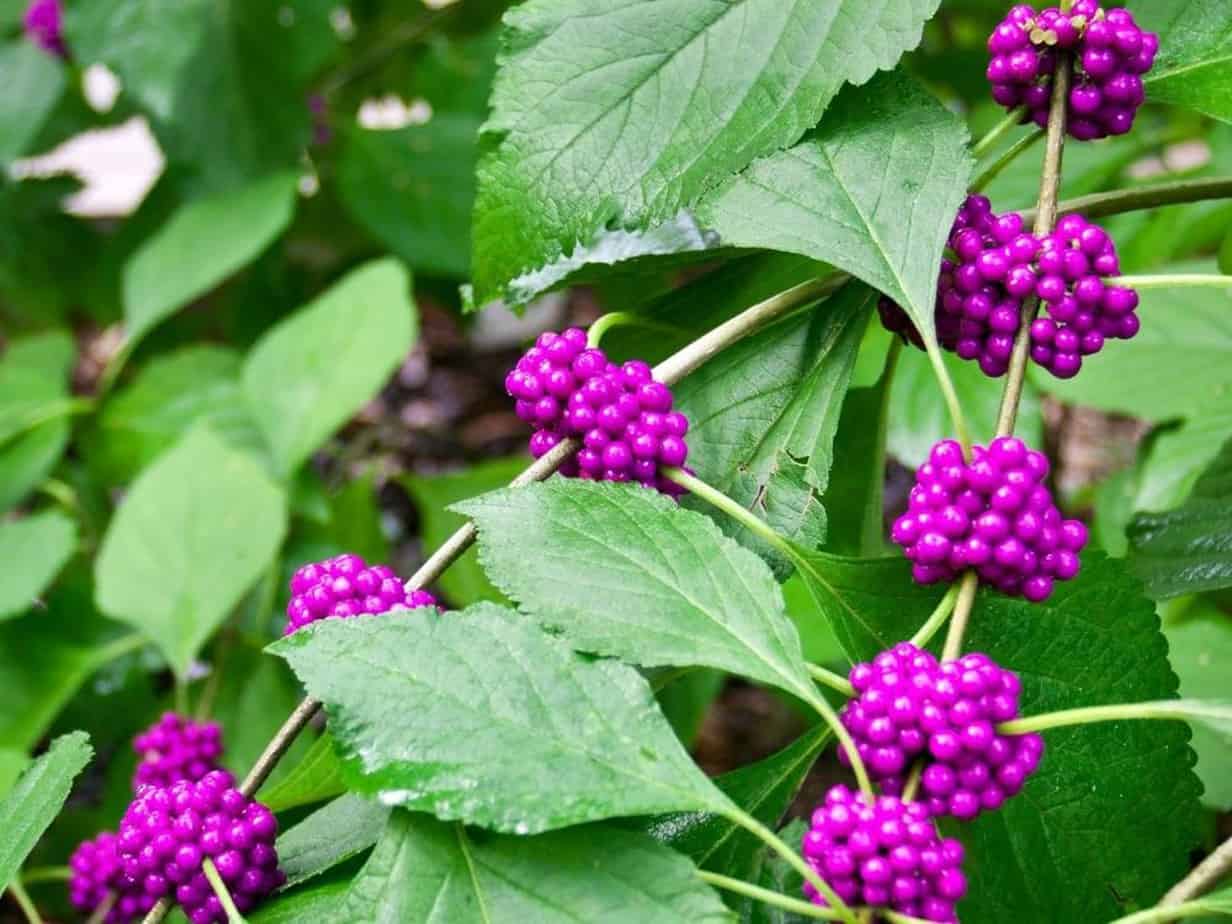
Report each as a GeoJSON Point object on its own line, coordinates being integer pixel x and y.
{"type": "Point", "coordinates": [176, 748]}
{"type": "Point", "coordinates": [885, 854]}
{"type": "Point", "coordinates": [346, 586]}
{"type": "Point", "coordinates": [994, 514]}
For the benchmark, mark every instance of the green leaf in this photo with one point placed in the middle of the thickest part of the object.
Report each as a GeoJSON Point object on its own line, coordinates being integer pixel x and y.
{"type": "Point", "coordinates": [686, 700]}
{"type": "Point", "coordinates": [33, 550]}
{"type": "Point", "coordinates": [764, 790]}
{"type": "Point", "coordinates": [317, 777]}
{"type": "Point", "coordinates": [873, 191]}
{"type": "Point", "coordinates": [1188, 329]}
{"type": "Point", "coordinates": [918, 416]}
{"type": "Point", "coordinates": [619, 570]}
{"type": "Point", "coordinates": [1067, 849]}
{"type": "Point", "coordinates": [166, 399]}
{"type": "Point", "coordinates": [1194, 66]}
{"type": "Point", "coordinates": [464, 583]}
{"type": "Point", "coordinates": [627, 145]}
{"type": "Point", "coordinates": [196, 530]}
{"type": "Point", "coordinates": [1200, 650]}
{"type": "Point", "coordinates": [12, 763]}
{"type": "Point", "coordinates": [33, 81]}
{"type": "Point", "coordinates": [777, 876]}
{"type": "Point", "coordinates": [764, 412]}
{"type": "Point", "coordinates": [34, 381]}
{"type": "Point", "coordinates": [336, 832]}
{"type": "Point", "coordinates": [310, 373]}
{"type": "Point", "coordinates": [1188, 550]}
{"type": "Point", "coordinates": [1177, 458]}
{"type": "Point", "coordinates": [424, 870]}
{"type": "Point", "coordinates": [27, 459]}
{"type": "Point", "coordinates": [414, 189]}
{"type": "Point", "coordinates": [303, 906]}
{"type": "Point", "coordinates": [203, 243]}
{"type": "Point", "coordinates": [37, 798]}
{"type": "Point", "coordinates": [538, 737]}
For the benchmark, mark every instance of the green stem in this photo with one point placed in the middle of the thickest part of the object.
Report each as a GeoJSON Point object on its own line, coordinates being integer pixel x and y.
{"type": "Point", "coordinates": [28, 908]}
{"type": "Point", "coordinates": [1173, 192]}
{"type": "Point", "coordinates": [994, 170]}
{"type": "Point", "coordinates": [939, 615]}
{"type": "Point", "coordinates": [771, 840]}
{"type": "Point", "coordinates": [836, 682]}
{"type": "Point", "coordinates": [99, 914]}
{"type": "Point", "coordinates": [912, 786]}
{"type": "Point", "coordinates": [1163, 913]}
{"type": "Point", "coordinates": [720, 501]}
{"type": "Point", "coordinates": [220, 889]}
{"type": "Point", "coordinates": [1172, 281]}
{"type": "Point", "coordinates": [946, 384]}
{"type": "Point", "coordinates": [997, 132]}
{"type": "Point", "coordinates": [768, 897]}
{"type": "Point", "coordinates": [962, 615]}
{"type": "Point", "coordinates": [1178, 709]}
{"type": "Point", "coordinates": [36, 875]}
{"type": "Point", "coordinates": [594, 336]}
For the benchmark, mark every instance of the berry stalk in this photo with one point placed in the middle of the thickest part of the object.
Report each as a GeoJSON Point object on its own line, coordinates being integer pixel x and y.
{"type": "Point", "coordinates": [1174, 281]}
{"type": "Point", "coordinates": [768, 897]}
{"type": "Point", "coordinates": [220, 890]}
{"type": "Point", "coordinates": [1176, 192]}
{"type": "Point", "coordinates": [24, 902]}
{"type": "Point", "coordinates": [836, 682]}
{"type": "Point", "coordinates": [993, 170]}
{"type": "Point", "coordinates": [1205, 876]}
{"type": "Point", "coordinates": [997, 132]}
{"type": "Point", "coordinates": [1178, 709]}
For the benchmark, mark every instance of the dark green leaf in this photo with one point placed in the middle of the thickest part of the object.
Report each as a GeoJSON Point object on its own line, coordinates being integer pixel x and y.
{"type": "Point", "coordinates": [203, 243]}
{"type": "Point", "coordinates": [33, 550]}
{"type": "Point", "coordinates": [764, 412]}
{"type": "Point", "coordinates": [626, 145]}
{"type": "Point", "coordinates": [336, 832]}
{"type": "Point", "coordinates": [317, 777]}
{"type": "Point", "coordinates": [196, 530]}
{"type": "Point", "coordinates": [303, 906]}
{"type": "Point", "coordinates": [777, 876]}
{"type": "Point", "coordinates": [28, 459]}
{"type": "Point", "coordinates": [538, 737]}
{"type": "Point", "coordinates": [873, 191]}
{"type": "Point", "coordinates": [311, 372]}
{"type": "Point", "coordinates": [1188, 550]}
{"type": "Point", "coordinates": [686, 700]}
{"type": "Point", "coordinates": [1176, 458]}
{"type": "Point", "coordinates": [1195, 46]}
{"type": "Point", "coordinates": [424, 870]}
{"type": "Point", "coordinates": [619, 570]}
{"type": "Point", "coordinates": [34, 381]}
{"type": "Point", "coordinates": [37, 798]}
{"type": "Point", "coordinates": [33, 81]}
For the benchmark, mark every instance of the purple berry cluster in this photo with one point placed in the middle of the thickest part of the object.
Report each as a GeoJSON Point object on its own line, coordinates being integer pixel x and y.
{"type": "Point", "coordinates": [1110, 52]}
{"type": "Point", "coordinates": [96, 873]}
{"type": "Point", "coordinates": [43, 25]}
{"type": "Point", "coordinates": [345, 586]}
{"type": "Point", "coordinates": [168, 832]}
{"type": "Point", "coordinates": [176, 748]}
{"type": "Point", "coordinates": [623, 417]}
{"type": "Point", "coordinates": [908, 704]}
{"type": "Point", "coordinates": [885, 854]}
{"type": "Point", "coordinates": [1081, 312]}
{"type": "Point", "coordinates": [994, 514]}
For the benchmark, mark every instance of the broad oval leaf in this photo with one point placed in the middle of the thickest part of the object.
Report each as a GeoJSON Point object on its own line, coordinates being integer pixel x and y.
{"type": "Point", "coordinates": [596, 118]}
{"type": "Point", "coordinates": [196, 530]}
{"type": "Point", "coordinates": [873, 191]}
{"type": "Point", "coordinates": [311, 372]}
{"type": "Point", "coordinates": [480, 717]}
{"type": "Point", "coordinates": [425, 870]}
{"type": "Point", "coordinates": [33, 550]}
{"type": "Point", "coordinates": [1194, 66]}
{"type": "Point", "coordinates": [620, 570]}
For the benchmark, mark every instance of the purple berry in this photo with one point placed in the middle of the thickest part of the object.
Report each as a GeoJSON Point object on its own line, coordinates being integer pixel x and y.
{"type": "Point", "coordinates": [43, 23]}
{"type": "Point", "coordinates": [346, 586]}
{"type": "Point", "coordinates": [96, 873]}
{"type": "Point", "coordinates": [176, 748]}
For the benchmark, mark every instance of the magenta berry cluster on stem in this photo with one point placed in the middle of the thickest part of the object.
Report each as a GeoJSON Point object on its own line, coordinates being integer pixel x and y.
{"type": "Point", "coordinates": [1110, 55]}
{"type": "Point", "coordinates": [908, 705]}
{"type": "Point", "coordinates": [43, 24]}
{"type": "Point", "coordinates": [883, 853]}
{"type": "Point", "coordinates": [95, 873]}
{"type": "Point", "coordinates": [167, 833]}
{"type": "Point", "coordinates": [346, 586]}
{"type": "Point", "coordinates": [623, 417]}
{"type": "Point", "coordinates": [176, 748]}
{"type": "Point", "coordinates": [994, 514]}
{"type": "Point", "coordinates": [1080, 311]}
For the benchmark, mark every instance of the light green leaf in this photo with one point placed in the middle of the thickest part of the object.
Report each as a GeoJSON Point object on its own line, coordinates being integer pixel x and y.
{"type": "Point", "coordinates": [33, 81]}
{"type": "Point", "coordinates": [764, 412]}
{"type": "Point", "coordinates": [627, 145]}
{"type": "Point", "coordinates": [414, 189]}
{"type": "Point", "coordinates": [311, 372]}
{"type": "Point", "coordinates": [537, 737]}
{"type": "Point", "coordinates": [317, 777]}
{"type": "Point", "coordinates": [33, 550]}
{"type": "Point", "coordinates": [1178, 457]}
{"type": "Point", "coordinates": [336, 832]}
{"type": "Point", "coordinates": [620, 570]}
{"type": "Point", "coordinates": [34, 381]}
{"type": "Point", "coordinates": [424, 870]}
{"type": "Point", "coordinates": [12, 763]}
{"type": "Point", "coordinates": [303, 906]}
{"type": "Point", "coordinates": [464, 583]}
{"type": "Point", "coordinates": [873, 191]}
{"type": "Point", "coordinates": [1189, 329]}
{"type": "Point", "coordinates": [203, 243]}
{"type": "Point", "coordinates": [1194, 66]}
{"type": "Point", "coordinates": [1188, 550]}
{"type": "Point", "coordinates": [196, 530]}
{"type": "Point", "coordinates": [166, 399]}
{"type": "Point", "coordinates": [37, 798]}
{"type": "Point", "coordinates": [27, 459]}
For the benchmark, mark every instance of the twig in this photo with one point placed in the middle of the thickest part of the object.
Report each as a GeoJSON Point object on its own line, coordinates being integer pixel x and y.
{"type": "Point", "coordinates": [1202, 878]}
{"type": "Point", "coordinates": [1175, 192]}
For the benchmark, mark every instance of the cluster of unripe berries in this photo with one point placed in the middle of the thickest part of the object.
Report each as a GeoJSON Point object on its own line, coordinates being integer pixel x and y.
{"type": "Point", "coordinates": [621, 415]}
{"type": "Point", "coordinates": [346, 586]}
{"type": "Point", "coordinates": [1110, 54]}
{"type": "Point", "coordinates": [994, 266]}
{"type": "Point", "coordinates": [883, 853]}
{"type": "Point", "coordinates": [993, 514]}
